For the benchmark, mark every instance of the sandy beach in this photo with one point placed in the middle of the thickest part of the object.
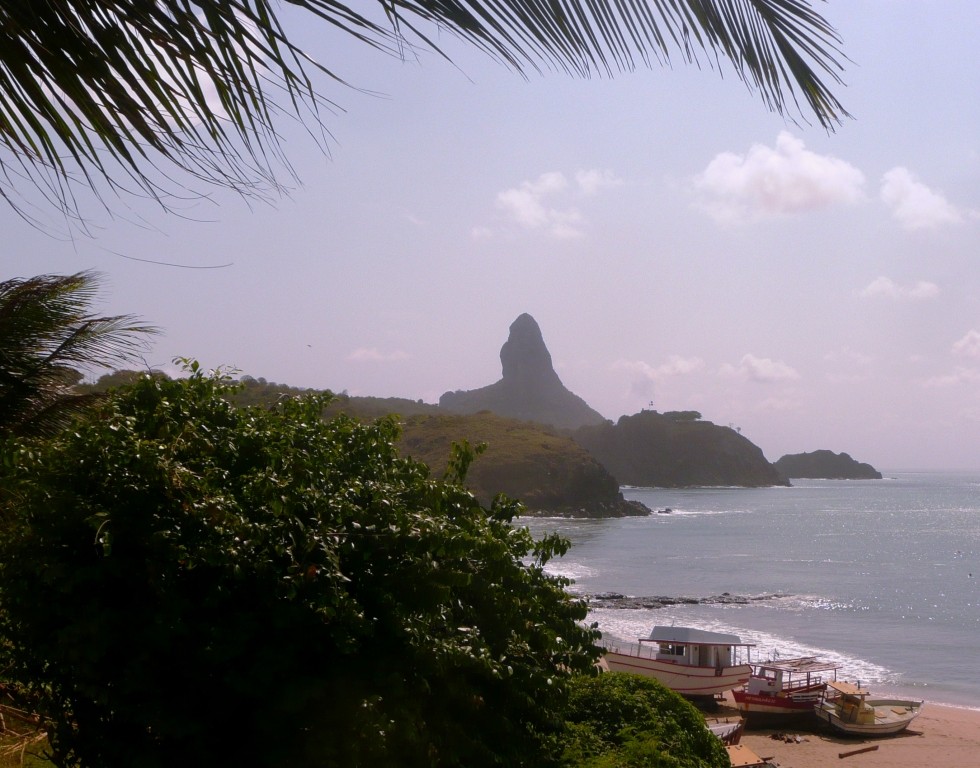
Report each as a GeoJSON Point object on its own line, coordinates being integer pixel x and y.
{"type": "Point", "coordinates": [940, 736]}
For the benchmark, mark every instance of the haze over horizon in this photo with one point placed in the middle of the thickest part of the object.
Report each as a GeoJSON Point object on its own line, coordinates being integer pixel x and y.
{"type": "Point", "coordinates": [677, 243]}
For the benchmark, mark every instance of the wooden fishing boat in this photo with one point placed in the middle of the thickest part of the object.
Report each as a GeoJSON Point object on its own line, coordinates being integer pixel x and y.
{"type": "Point", "coordinates": [693, 662]}
{"type": "Point", "coordinates": [784, 689]}
{"type": "Point", "coordinates": [848, 708]}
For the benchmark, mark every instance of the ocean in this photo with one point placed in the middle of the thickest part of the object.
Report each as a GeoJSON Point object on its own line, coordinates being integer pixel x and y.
{"type": "Point", "coordinates": [882, 576]}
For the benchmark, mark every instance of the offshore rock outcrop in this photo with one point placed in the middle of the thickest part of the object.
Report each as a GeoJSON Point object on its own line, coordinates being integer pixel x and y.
{"type": "Point", "coordinates": [825, 465]}
{"type": "Point", "coordinates": [529, 389]}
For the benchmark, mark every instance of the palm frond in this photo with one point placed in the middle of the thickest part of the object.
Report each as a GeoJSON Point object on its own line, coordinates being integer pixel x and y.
{"type": "Point", "coordinates": [46, 335]}
{"type": "Point", "coordinates": [127, 92]}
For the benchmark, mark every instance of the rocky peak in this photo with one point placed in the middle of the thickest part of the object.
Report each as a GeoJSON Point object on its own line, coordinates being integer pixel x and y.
{"type": "Point", "coordinates": [529, 388]}
{"type": "Point", "coordinates": [524, 354]}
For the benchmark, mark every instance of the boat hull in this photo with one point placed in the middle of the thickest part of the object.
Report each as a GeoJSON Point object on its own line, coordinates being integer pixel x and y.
{"type": "Point", "coordinates": [758, 706]}
{"type": "Point", "coordinates": [684, 679]}
{"type": "Point", "coordinates": [891, 716]}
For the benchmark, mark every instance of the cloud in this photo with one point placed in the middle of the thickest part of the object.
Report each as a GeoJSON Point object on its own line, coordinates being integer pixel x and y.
{"type": "Point", "coordinates": [674, 366]}
{"type": "Point", "coordinates": [786, 179]}
{"type": "Point", "coordinates": [546, 202]}
{"type": "Point", "coordinates": [889, 289]}
{"type": "Point", "coordinates": [590, 182]}
{"type": "Point", "coordinates": [373, 355]}
{"type": "Point", "coordinates": [762, 369]}
{"type": "Point", "coordinates": [969, 345]}
{"type": "Point", "coordinates": [644, 375]}
{"type": "Point", "coordinates": [958, 376]}
{"type": "Point", "coordinates": [913, 203]}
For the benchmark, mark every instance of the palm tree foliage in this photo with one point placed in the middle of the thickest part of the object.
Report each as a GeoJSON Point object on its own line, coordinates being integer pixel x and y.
{"type": "Point", "coordinates": [128, 92]}
{"type": "Point", "coordinates": [46, 334]}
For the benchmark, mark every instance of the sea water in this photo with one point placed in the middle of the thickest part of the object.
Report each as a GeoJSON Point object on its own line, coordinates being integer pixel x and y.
{"type": "Point", "coordinates": [882, 576]}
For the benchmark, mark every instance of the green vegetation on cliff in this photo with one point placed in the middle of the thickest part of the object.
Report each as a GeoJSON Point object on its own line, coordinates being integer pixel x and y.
{"type": "Point", "coordinates": [546, 470]}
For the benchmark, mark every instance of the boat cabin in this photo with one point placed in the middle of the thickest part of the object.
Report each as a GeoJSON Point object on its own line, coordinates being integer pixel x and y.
{"type": "Point", "coordinates": [695, 647]}
{"type": "Point", "coordinates": [788, 676]}
{"type": "Point", "coordinates": [849, 699]}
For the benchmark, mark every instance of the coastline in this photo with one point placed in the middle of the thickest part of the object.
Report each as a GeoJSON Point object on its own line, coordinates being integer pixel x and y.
{"type": "Point", "coordinates": [942, 735]}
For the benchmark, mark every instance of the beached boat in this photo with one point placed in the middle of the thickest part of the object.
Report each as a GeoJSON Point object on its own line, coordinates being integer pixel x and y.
{"type": "Point", "coordinates": [741, 756]}
{"type": "Point", "coordinates": [693, 662]}
{"type": "Point", "coordinates": [784, 688]}
{"type": "Point", "coordinates": [727, 730]}
{"type": "Point", "coordinates": [847, 708]}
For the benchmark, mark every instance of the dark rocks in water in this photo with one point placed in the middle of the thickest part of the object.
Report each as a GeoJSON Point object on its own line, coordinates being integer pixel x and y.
{"type": "Point", "coordinates": [618, 507]}
{"type": "Point", "coordinates": [529, 388]}
{"type": "Point", "coordinates": [677, 450]}
{"type": "Point", "coordinates": [825, 465]}
{"type": "Point", "coordinates": [617, 600]}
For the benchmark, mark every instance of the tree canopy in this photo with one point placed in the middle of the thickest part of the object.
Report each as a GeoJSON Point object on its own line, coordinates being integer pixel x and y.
{"type": "Point", "coordinates": [137, 97]}
{"type": "Point", "coordinates": [183, 580]}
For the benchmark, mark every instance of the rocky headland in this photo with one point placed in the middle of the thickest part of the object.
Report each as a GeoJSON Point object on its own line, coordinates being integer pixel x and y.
{"type": "Point", "coordinates": [677, 450]}
{"type": "Point", "coordinates": [825, 465]}
{"type": "Point", "coordinates": [550, 473]}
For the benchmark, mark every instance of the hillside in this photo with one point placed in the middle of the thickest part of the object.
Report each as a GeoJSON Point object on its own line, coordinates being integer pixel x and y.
{"type": "Point", "coordinates": [677, 450]}
{"type": "Point", "coordinates": [825, 465]}
{"type": "Point", "coordinates": [547, 471]}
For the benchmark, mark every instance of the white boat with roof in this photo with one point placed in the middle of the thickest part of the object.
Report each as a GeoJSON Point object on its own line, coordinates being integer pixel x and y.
{"type": "Point", "coordinates": [784, 688]}
{"type": "Point", "coordinates": [847, 708]}
{"type": "Point", "coordinates": [693, 662]}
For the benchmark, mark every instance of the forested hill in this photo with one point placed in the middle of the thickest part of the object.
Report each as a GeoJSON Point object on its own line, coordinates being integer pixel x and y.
{"type": "Point", "coordinates": [677, 450]}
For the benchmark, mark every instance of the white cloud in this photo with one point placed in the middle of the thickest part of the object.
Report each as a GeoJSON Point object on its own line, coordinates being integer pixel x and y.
{"type": "Point", "coordinates": [913, 203]}
{"type": "Point", "coordinates": [373, 355]}
{"type": "Point", "coordinates": [763, 369]}
{"type": "Point", "coordinates": [644, 375]}
{"type": "Point", "coordinates": [546, 202]}
{"type": "Point", "coordinates": [785, 179]}
{"type": "Point", "coordinates": [591, 181]}
{"type": "Point", "coordinates": [957, 377]}
{"type": "Point", "coordinates": [674, 366]}
{"type": "Point", "coordinates": [889, 289]}
{"type": "Point", "coordinates": [969, 345]}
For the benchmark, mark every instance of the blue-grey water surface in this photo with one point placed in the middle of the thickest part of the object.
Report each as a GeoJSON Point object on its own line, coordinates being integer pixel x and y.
{"type": "Point", "coordinates": [881, 575]}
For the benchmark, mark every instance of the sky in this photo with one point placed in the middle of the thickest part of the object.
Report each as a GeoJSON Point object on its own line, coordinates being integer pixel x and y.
{"type": "Point", "coordinates": [680, 246]}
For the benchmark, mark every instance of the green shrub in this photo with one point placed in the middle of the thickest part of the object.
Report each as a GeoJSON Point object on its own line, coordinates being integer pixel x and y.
{"type": "Point", "coordinates": [619, 720]}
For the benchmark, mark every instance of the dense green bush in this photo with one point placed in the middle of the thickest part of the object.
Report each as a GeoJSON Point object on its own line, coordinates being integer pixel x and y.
{"type": "Point", "coordinates": [184, 582]}
{"type": "Point", "coordinates": [620, 720]}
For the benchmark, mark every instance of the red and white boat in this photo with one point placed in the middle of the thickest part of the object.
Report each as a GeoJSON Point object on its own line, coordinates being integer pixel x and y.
{"type": "Point", "coordinates": [693, 662]}
{"type": "Point", "coordinates": [784, 688]}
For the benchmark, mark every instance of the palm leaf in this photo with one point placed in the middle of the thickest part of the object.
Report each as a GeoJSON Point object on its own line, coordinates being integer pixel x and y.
{"type": "Point", "coordinates": [115, 91]}
{"type": "Point", "coordinates": [46, 335]}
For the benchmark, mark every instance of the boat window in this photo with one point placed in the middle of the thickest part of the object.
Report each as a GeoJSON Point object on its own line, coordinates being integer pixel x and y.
{"type": "Point", "coordinates": [670, 649]}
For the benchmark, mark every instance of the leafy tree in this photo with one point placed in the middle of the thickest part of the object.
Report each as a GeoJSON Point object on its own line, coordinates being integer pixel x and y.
{"type": "Point", "coordinates": [619, 720]}
{"type": "Point", "coordinates": [46, 333]}
{"type": "Point", "coordinates": [128, 92]}
{"type": "Point", "coordinates": [183, 581]}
